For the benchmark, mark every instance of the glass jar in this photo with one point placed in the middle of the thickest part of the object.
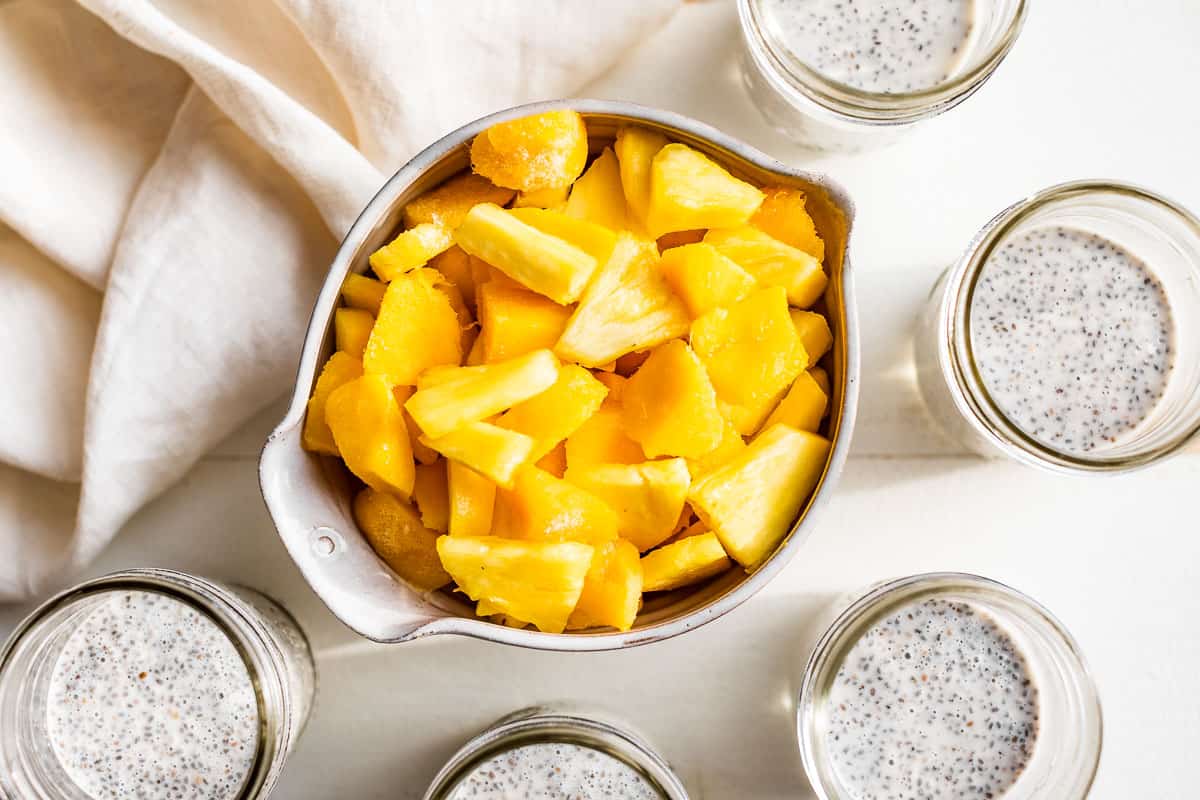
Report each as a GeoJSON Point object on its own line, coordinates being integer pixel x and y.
{"type": "Point", "coordinates": [1162, 235]}
{"type": "Point", "coordinates": [824, 114]}
{"type": "Point", "coordinates": [556, 727]}
{"type": "Point", "coordinates": [144, 643]}
{"type": "Point", "coordinates": [1066, 751]}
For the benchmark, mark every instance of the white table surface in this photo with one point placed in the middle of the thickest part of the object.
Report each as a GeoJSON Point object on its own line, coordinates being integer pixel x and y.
{"type": "Point", "coordinates": [1095, 88]}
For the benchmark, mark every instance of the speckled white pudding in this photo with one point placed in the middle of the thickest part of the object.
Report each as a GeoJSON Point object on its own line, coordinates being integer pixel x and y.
{"type": "Point", "coordinates": [149, 699]}
{"type": "Point", "coordinates": [554, 771]}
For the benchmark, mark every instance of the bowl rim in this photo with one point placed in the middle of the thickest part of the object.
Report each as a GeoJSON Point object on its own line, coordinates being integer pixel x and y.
{"type": "Point", "coordinates": [341, 265]}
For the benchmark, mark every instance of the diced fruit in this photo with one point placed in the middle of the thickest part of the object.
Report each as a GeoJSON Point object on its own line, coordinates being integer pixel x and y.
{"type": "Point", "coordinates": [541, 506]}
{"type": "Point", "coordinates": [783, 216]}
{"type": "Point", "coordinates": [752, 353]}
{"type": "Point", "coordinates": [514, 321]}
{"type": "Point", "coordinates": [555, 462]}
{"type": "Point", "coordinates": [814, 333]}
{"type": "Point", "coordinates": [493, 452]}
{"type": "Point", "coordinates": [597, 195]}
{"type": "Point", "coordinates": [455, 265]}
{"type": "Point", "coordinates": [468, 394]}
{"type": "Point", "coordinates": [731, 445]}
{"type": "Point", "coordinates": [472, 500]}
{"type": "Point", "coordinates": [556, 413]}
{"type": "Point", "coordinates": [431, 493]}
{"type": "Point", "coordinates": [535, 581]}
{"type": "Point", "coordinates": [541, 262]}
{"type": "Point", "coordinates": [449, 203]}
{"type": "Point", "coordinates": [351, 329]}
{"type": "Point", "coordinates": [396, 533]}
{"type": "Point", "coordinates": [803, 407]}
{"type": "Point", "coordinates": [772, 262]}
{"type": "Point", "coordinates": [423, 454]}
{"type": "Point", "coordinates": [670, 406]}
{"type": "Point", "coordinates": [635, 149]}
{"type": "Point", "coordinates": [411, 249]}
{"type": "Point", "coordinates": [593, 239]}
{"type": "Point", "coordinates": [340, 369]}
{"type": "Point", "coordinates": [705, 279]}
{"type": "Point", "coordinates": [612, 589]}
{"type": "Point", "coordinates": [822, 378]}
{"type": "Point", "coordinates": [359, 291]}
{"type": "Point", "coordinates": [554, 197]}
{"type": "Point", "coordinates": [752, 501]}
{"type": "Point", "coordinates": [532, 153]}
{"type": "Point", "coordinates": [689, 191]}
{"type": "Point", "coordinates": [687, 561]}
{"type": "Point", "coordinates": [647, 497]}
{"type": "Point", "coordinates": [417, 328]}
{"type": "Point", "coordinates": [628, 306]}
{"type": "Point", "coordinates": [602, 440]}
{"type": "Point", "coordinates": [368, 427]}
{"type": "Point", "coordinates": [678, 239]}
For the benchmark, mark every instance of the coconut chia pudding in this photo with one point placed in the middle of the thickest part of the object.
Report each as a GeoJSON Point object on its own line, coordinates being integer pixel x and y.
{"type": "Point", "coordinates": [150, 699]}
{"type": "Point", "coordinates": [554, 771]}
{"type": "Point", "coordinates": [1072, 336]}
{"type": "Point", "coordinates": [872, 45]}
{"type": "Point", "coordinates": [933, 701]}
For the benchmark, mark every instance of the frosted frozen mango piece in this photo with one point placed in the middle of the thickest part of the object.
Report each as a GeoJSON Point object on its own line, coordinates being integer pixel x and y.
{"type": "Point", "coordinates": [635, 149]}
{"type": "Point", "coordinates": [368, 427]}
{"type": "Point", "coordinates": [514, 321]}
{"type": "Point", "coordinates": [411, 249]}
{"type": "Point", "coordinates": [783, 216]}
{"type": "Point", "coordinates": [532, 153]}
{"type": "Point", "coordinates": [689, 560]}
{"type": "Point", "coordinates": [597, 196]}
{"type": "Point", "coordinates": [612, 589]}
{"type": "Point", "coordinates": [449, 203]}
{"type": "Point", "coordinates": [359, 291]}
{"type": "Point", "coordinates": [495, 453]}
{"type": "Point", "coordinates": [772, 263]}
{"type": "Point", "coordinates": [472, 501]}
{"type": "Point", "coordinates": [398, 536]}
{"type": "Point", "coordinates": [814, 332]}
{"type": "Point", "coordinates": [648, 497]}
{"type": "Point", "coordinates": [340, 369]}
{"type": "Point", "coordinates": [553, 415]}
{"type": "Point", "coordinates": [688, 190]}
{"type": "Point", "coordinates": [670, 406]}
{"type": "Point", "coordinates": [705, 279]}
{"type": "Point", "coordinates": [352, 329]}
{"type": "Point", "coordinates": [417, 328]}
{"type": "Point", "coordinates": [803, 407]}
{"type": "Point", "coordinates": [595, 240]}
{"type": "Point", "coordinates": [431, 493]}
{"type": "Point", "coordinates": [541, 506]}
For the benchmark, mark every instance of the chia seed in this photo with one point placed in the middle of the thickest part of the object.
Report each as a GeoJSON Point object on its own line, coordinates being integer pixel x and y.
{"type": "Point", "coordinates": [554, 771]}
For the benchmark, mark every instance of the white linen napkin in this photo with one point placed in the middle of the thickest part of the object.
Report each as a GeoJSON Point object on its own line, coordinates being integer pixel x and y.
{"type": "Point", "coordinates": [174, 177]}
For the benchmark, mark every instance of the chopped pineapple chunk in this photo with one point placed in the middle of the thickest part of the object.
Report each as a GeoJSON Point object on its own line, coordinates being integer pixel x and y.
{"type": "Point", "coordinates": [612, 589]}
{"type": "Point", "coordinates": [532, 153]}
{"type": "Point", "coordinates": [340, 369]}
{"type": "Point", "coordinates": [647, 497]}
{"type": "Point", "coordinates": [783, 216]}
{"type": "Point", "coordinates": [352, 329]}
{"type": "Point", "coordinates": [417, 328]}
{"type": "Point", "coordinates": [772, 262]}
{"type": "Point", "coordinates": [472, 501]}
{"type": "Point", "coordinates": [543, 507]}
{"type": "Point", "coordinates": [595, 240]}
{"type": "Point", "coordinates": [689, 560]}
{"type": "Point", "coordinates": [431, 494]}
{"type": "Point", "coordinates": [705, 279]}
{"type": "Point", "coordinates": [359, 291]}
{"type": "Point", "coordinates": [396, 533]}
{"type": "Point", "coordinates": [368, 427]}
{"type": "Point", "coordinates": [493, 452]}
{"type": "Point", "coordinates": [690, 191]}
{"type": "Point", "coordinates": [803, 407]}
{"type": "Point", "coordinates": [597, 196]}
{"type": "Point", "coordinates": [411, 249]}
{"type": "Point", "coordinates": [670, 406]}
{"type": "Point", "coordinates": [814, 333]}
{"type": "Point", "coordinates": [635, 149]}
{"type": "Point", "coordinates": [515, 321]}
{"type": "Point", "coordinates": [550, 417]}
{"type": "Point", "coordinates": [449, 203]}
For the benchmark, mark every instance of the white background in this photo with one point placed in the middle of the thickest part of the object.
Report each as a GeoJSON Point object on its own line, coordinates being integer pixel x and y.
{"type": "Point", "coordinates": [1094, 88]}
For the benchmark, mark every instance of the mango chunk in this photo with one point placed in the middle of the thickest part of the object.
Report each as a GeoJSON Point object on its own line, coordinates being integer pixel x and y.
{"type": "Point", "coordinates": [543, 507]}
{"type": "Point", "coordinates": [397, 535]}
{"type": "Point", "coordinates": [602, 440]}
{"type": "Point", "coordinates": [688, 191]}
{"type": "Point", "coordinates": [731, 444]}
{"type": "Point", "coordinates": [597, 196]}
{"type": "Point", "coordinates": [752, 501]}
{"type": "Point", "coordinates": [772, 263]}
{"type": "Point", "coordinates": [411, 249]}
{"type": "Point", "coordinates": [368, 427]}
{"type": "Point", "coordinates": [635, 149]}
{"type": "Point", "coordinates": [472, 501]}
{"type": "Point", "coordinates": [541, 262]}
{"type": "Point", "coordinates": [531, 153]}
{"type": "Point", "coordinates": [647, 497]}
{"type": "Point", "coordinates": [550, 417]}
{"type": "Point", "coordinates": [359, 291]}
{"type": "Point", "coordinates": [822, 378]}
{"type": "Point", "coordinates": [417, 328]}
{"type": "Point", "coordinates": [432, 496]}
{"type": "Point", "coordinates": [493, 452]}
{"type": "Point", "coordinates": [595, 240]}
{"type": "Point", "coordinates": [803, 407]}
{"type": "Point", "coordinates": [352, 329]}
{"type": "Point", "coordinates": [705, 279]}
{"type": "Point", "coordinates": [449, 398]}
{"type": "Point", "coordinates": [612, 589]}
{"type": "Point", "coordinates": [423, 454]}
{"type": "Point", "coordinates": [689, 560]}
{"type": "Point", "coordinates": [814, 332]}
{"type": "Point", "coordinates": [628, 306]}
{"type": "Point", "coordinates": [783, 216]}
{"type": "Point", "coordinates": [340, 369]}
{"type": "Point", "coordinates": [514, 321]}
{"type": "Point", "coordinates": [555, 197]}
{"type": "Point", "coordinates": [455, 266]}
{"type": "Point", "coordinates": [447, 204]}
{"type": "Point", "coordinates": [752, 354]}
{"type": "Point", "coordinates": [535, 581]}
{"type": "Point", "coordinates": [669, 405]}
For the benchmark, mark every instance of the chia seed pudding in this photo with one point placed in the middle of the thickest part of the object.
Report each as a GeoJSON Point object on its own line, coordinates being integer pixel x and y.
{"type": "Point", "coordinates": [150, 699]}
{"type": "Point", "coordinates": [933, 701]}
{"type": "Point", "coordinates": [1072, 336]}
{"type": "Point", "coordinates": [554, 771]}
{"type": "Point", "coordinates": [875, 46]}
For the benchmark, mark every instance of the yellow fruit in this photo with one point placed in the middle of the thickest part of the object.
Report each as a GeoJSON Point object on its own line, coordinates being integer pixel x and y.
{"type": "Point", "coordinates": [396, 533]}
{"type": "Point", "coordinates": [752, 354]}
{"type": "Point", "coordinates": [475, 354]}
{"type": "Point", "coordinates": [814, 333]}
{"type": "Point", "coordinates": [803, 407]}
{"type": "Point", "coordinates": [535, 581]}
{"type": "Point", "coordinates": [752, 501]}
{"type": "Point", "coordinates": [689, 560]}
{"type": "Point", "coordinates": [514, 321]}
{"type": "Point", "coordinates": [731, 445]}
{"type": "Point", "coordinates": [472, 500]}
{"type": "Point", "coordinates": [543, 507]}
{"type": "Point", "coordinates": [597, 195]}
{"type": "Point", "coordinates": [689, 191]}
{"type": "Point", "coordinates": [541, 262]}
{"type": "Point", "coordinates": [772, 263]}
{"type": "Point", "coordinates": [602, 440]}
{"type": "Point", "coordinates": [613, 382]}
{"type": "Point", "coordinates": [417, 328]}
{"type": "Point", "coordinates": [678, 239]}
{"type": "Point", "coordinates": [411, 249]}
{"type": "Point", "coordinates": [556, 413]}
{"type": "Point", "coordinates": [782, 215]}
{"type": "Point", "coordinates": [449, 203]}
{"type": "Point", "coordinates": [423, 454]}
{"type": "Point", "coordinates": [554, 462]}
{"type": "Point", "coordinates": [352, 329]}
{"type": "Point", "coordinates": [493, 452]}
{"type": "Point", "coordinates": [431, 493]}
{"type": "Point", "coordinates": [532, 153]}
{"type": "Point", "coordinates": [593, 239]}
{"type": "Point", "coordinates": [628, 306]}
{"type": "Point", "coordinates": [705, 279]}
{"type": "Point", "coordinates": [635, 149]}
{"type": "Point", "coordinates": [368, 427]}
{"type": "Point", "coordinates": [554, 197]}
{"type": "Point", "coordinates": [340, 369]}
{"type": "Point", "coordinates": [455, 265]}
{"type": "Point", "coordinates": [612, 589]}
{"type": "Point", "coordinates": [466, 320]}
{"type": "Point", "coordinates": [670, 406]}
{"type": "Point", "coordinates": [647, 497]}
{"type": "Point", "coordinates": [359, 291]}
{"type": "Point", "coordinates": [467, 394]}
{"type": "Point", "coordinates": [822, 378]}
